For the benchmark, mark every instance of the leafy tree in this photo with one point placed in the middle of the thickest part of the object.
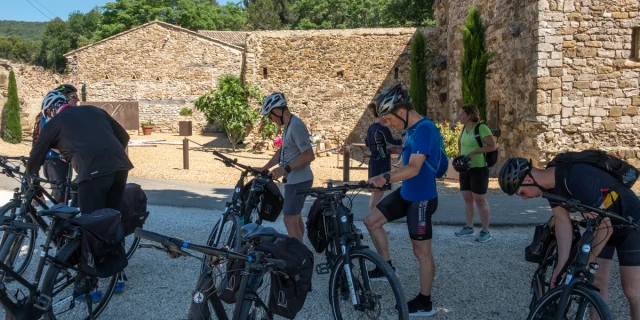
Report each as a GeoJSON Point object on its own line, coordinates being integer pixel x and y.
{"type": "Point", "coordinates": [55, 43]}
{"type": "Point", "coordinates": [410, 12]}
{"type": "Point", "coordinates": [229, 105]}
{"type": "Point", "coordinates": [13, 128]}
{"type": "Point", "coordinates": [23, 29]}
{"type": "Point", "coordinates": [17, 49]}
{"type": "Point", "coordinates": [475, 60]}
{"type": "Point", "coordinates": [418, 86]}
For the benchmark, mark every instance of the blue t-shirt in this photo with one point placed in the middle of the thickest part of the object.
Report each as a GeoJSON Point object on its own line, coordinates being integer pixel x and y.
{"type": "Point", "coordinates": [422, 138]}
{"type": "Point", "coordinates": [51, 153]}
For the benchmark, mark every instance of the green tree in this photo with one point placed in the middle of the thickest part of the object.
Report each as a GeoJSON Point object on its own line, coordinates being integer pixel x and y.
{"type": "Point", "coordinates": [13, 128]}
{"type": "Point", "coordinates": [55, 43]}
{"type": "Point", "coordinates": [475, 60]}
{"type": "Point", "coordinates": [229, 106]}
{"type": "Point", "coordinates": [418, 86]}
{"type": "Point", "coordinates": [410, 13]}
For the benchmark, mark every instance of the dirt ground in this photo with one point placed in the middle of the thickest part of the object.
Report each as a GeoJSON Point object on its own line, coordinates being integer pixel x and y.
{"type": "Point", "coordinates": [165, 161]}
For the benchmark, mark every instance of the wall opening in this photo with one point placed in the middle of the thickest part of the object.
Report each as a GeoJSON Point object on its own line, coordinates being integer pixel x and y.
{"type": "Point", "coordinates": [264, 73]}
{"type": "Point", "coordinates": [395, 73]}
{"type": "Point", "coordinates": [340, 74]}
{"type": "Point", "coordinates": [635, 43]}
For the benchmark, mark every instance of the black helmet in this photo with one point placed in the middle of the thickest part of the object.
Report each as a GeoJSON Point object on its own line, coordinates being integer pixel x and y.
{"type": "Point", "coordinates": [392, 98]}
{"type": "Point", "coordinates": [461, 163]}
{"type": "Point", "coordinates": [66, 89]}
{"type": "Point", "coordinates": [513, 173]}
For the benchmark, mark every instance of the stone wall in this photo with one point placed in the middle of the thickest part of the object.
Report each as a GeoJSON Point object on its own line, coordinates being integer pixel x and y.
{"type": "Point", "coordinates": [588, 86]}
{"type": "Point", "coordinates": [329, 76]}
{"type": "Point", "coordinates": [511, 86]}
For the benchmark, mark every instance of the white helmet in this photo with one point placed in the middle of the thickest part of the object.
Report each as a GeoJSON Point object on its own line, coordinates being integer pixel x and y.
{"type": "Point", "coordinates": [52, 102]}
{"type": "Point", "coordinates": [273, 101]}
{"type": "Point", "coordinates": [392, 98]}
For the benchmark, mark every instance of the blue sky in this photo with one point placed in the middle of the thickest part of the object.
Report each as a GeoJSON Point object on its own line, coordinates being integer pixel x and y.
{"type": "Point", "coordinates": [25, 10]}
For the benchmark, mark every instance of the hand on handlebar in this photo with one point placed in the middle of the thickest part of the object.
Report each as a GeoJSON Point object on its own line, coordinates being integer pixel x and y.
{"type": "Point", "coordinates": [278, 172]}
{"type": "Point", "coordinates": [377, 182]}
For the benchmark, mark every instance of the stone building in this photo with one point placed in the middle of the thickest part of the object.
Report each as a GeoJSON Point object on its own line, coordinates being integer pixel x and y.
{"type": "Point", "coordinates": [565, 73]}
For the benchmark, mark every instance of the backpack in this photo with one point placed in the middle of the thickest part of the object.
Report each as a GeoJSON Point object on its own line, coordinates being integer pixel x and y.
{"type": "Point", "coordinates": [102, 254]}
{"type": "Point", "coordinates": [289, 292]}
{"type": "Point", "coordinates": [316, 227]}
{"type": "Point", "coordinates": [490, 157]}
{"type": "Point", "coordinates": [442, 158]}
{"type": "Point", "coordinates": [618, 168]}
{"type": "Point", "coordinates": [36, 129]}
{"type": "Point", "coordinates": [134, 208]}
{"type": "Point", "coordinates": [271, 201]}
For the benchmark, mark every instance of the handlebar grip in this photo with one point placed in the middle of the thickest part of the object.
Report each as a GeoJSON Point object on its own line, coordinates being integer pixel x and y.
{"type": "Point", "coordinates": [152, 236]}
{"type": "Point", "coordinates": [280, 264]}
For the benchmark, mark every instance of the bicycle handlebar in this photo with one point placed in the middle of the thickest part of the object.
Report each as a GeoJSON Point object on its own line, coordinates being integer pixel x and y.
{"type": "Point", "coordinates": [228, 162]}
{"type": "Point", "coordinates": [575, 204]}
{"type": "Point", "coordinates": [22, 159]}
{"type": "Point", "coordinates": [173, 244]}
{"type": "Point", "coordinates": [10, 171]}
{"type": "Point", "coordinates": [343, 188]}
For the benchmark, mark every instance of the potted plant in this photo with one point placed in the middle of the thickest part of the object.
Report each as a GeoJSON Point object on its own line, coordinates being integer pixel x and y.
{"type": "Point", "coordinates": [147, 127]}
{"type": "Point", "coordinates": [450, 138]}
{"type": "Point", "coordinates": [185, 127]}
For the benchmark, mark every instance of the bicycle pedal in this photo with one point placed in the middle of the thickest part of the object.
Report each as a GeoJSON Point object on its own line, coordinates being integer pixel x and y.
{"type": "Point", "coordinates": [42, 302]}
{"type": "Point", "coordinates": [323, 268]}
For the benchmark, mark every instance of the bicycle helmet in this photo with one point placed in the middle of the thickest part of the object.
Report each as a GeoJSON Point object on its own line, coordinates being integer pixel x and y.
{"type": "Point", "coordinates": [512, 174]}
{"type": "Point", "coordinates": [391, 99]}
{"type": "Point", "coordinates": [461, 163]}
{"type": "Point", "coordinates": [66, 89]}
{"type": "Point", "coordinates": [273, 101]}
{"type": "Point", "coordinates": [52, 102]}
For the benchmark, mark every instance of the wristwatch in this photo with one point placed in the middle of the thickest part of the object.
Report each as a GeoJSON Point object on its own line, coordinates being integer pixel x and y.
{"type": "Point", "coordinates": [387, 176]}
{"type": "Point", "coordinates": [287, 168]}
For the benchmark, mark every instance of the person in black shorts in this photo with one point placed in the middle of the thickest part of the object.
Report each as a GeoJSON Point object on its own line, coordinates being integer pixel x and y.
{"type": "Point", "coordinates": [379, 163]}
{"type": "Point", "coordinates": [417, 198]}
{"type": "Point", "coordinates": [594, 187]}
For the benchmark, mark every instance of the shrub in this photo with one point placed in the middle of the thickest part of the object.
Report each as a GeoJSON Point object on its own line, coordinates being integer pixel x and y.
{"type": "Point", "coordinates": [450, 137]}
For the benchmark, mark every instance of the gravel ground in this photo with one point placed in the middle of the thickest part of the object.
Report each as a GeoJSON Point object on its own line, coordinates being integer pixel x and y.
{"type": "Point", "coordinates": [473, 281]}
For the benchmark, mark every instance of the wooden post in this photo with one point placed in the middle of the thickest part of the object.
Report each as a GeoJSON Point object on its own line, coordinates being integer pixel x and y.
{"type": "Point", "coordinates": [185, 153]}
{"type": "Point", "coordinates": [345, 164]}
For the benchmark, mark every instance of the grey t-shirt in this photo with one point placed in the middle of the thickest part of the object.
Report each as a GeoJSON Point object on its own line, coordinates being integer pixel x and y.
{"type": "Point", "coordinates": [295, 141]}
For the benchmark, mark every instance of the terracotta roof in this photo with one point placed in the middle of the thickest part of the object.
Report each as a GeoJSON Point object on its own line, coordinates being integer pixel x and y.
{"type": "Point", "coordinates": [233, 37]}
{"type": "Point", "coordinates": [166, 25]}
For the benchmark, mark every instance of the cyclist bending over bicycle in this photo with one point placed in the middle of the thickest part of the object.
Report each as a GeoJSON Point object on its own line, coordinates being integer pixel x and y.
{"type": "Point", "coordinates": [594, 187]}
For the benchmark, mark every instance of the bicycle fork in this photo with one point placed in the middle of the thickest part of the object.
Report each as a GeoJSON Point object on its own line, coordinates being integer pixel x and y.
{"type": "Point", "coordinates": [347, 270]}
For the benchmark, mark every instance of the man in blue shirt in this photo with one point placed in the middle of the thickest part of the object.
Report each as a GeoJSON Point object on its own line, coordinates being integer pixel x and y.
{"type": "Point", "coordinates": [417, 198]}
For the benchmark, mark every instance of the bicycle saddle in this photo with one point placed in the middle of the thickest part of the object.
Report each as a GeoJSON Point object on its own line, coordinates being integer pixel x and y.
{"type": "Point", "coordinates": [61, 211]}
{"type": "Point", "coordinates": [256, 233]}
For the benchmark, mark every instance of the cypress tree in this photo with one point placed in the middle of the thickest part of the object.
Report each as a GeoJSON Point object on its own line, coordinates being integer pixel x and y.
{"type": "Point", "coordinates": [418, 86]}
{"type": "Point", "coordinates": [13, 129]}
{"type": "Point", "coordinates": [475, 60]}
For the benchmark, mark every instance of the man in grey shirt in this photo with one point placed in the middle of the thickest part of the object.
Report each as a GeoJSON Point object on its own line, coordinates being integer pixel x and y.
{"type": "Point", "coordinates": [293, 159]}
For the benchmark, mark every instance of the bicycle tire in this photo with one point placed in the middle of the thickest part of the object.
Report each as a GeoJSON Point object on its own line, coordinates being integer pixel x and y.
{"type": "Point", "coordinates": [391, 276]}
{"type": "Point", "coordinates": [65, 254]}
{"type": "Point", "coordinates": [13, 239]}
{"type": "Point", "coordinates": [133, 247]}
{"type": "Point", "coordinates": [233, 242]}
{"type": "Point", "coordinates": [580, 290]}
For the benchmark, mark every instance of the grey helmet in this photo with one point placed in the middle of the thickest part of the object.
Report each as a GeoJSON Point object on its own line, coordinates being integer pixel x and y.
{"type": "Point", "coordinates": [273, 101]}
{"type": "Point", "coordinates": [52, 102]}
{"type": "Point", "coordinates": [392, 98]}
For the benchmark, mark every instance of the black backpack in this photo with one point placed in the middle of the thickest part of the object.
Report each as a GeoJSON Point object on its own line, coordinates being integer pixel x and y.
{"type": "Point", "coordinates": [316, 227]}
{"type": "Point", "coordinates": [490, 157]}
{"type": "Point", "coordinates": [620, 169]}
{"type": "Point", "coordinates": [271, 201]}
{"type": "Point", "coordinates": [542, 237]}
{"type": "Point", "coordinates": [288, 293]}
{"type": "Point", "coordinates": [102, 254]}
{"type": "Point", "coordinates": [134, 208]}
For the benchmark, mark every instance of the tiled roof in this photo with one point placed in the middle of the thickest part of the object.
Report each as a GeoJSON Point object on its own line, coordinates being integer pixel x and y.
{"type": "Point", "coordinates": [233, 37]}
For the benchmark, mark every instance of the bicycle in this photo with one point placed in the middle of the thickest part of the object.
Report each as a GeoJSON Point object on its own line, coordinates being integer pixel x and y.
{"type": "Point", "coordinates": [63, 283]}
{"type": "Point", "coordinates": [344, 248]}
{"type": "Point", "coordinates": [21, 208]}
{"type": "Point", "coordinates": [579, 272]}
{"type": "Point", "coordinates": [257, 264]}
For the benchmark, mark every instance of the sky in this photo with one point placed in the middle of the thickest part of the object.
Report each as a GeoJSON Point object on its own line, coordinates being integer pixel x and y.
{"type": "Point", "coordinates": [45, 10]}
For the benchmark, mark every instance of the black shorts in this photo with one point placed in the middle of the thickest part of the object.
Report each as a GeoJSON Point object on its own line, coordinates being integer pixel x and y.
{"type": "Point", "coordinates": [627, 243]}
{"type": "Point", "coordinates": [476, 180]}
{"type": "Point", "coordinates": [418, 214]}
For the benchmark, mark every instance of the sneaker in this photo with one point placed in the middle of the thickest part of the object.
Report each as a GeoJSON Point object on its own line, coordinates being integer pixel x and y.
{"type": "Point", "coordinates": [96, 296]}
{"type": "Point", "coordinates": [119, 287]}
{"type": "Point", "coordinates": [484, 236]}
{"type": "Point", "coordinates": [465, 231]}
{"type": "Point", "coordinates": [378, 275]}
{"type": "Point", "coordinates": [417, 308]}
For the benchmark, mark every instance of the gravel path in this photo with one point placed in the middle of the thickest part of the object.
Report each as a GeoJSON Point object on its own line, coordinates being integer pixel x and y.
{"type": "Point", "coordinates": [473, 280]}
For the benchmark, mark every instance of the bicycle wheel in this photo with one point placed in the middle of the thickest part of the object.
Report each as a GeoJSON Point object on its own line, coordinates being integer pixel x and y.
{"type": "Point", "coordinates": [583, 303]}
{"type": "Point", "coordinates": [60, 282]}
{"type": "Point", "coordinates": [375, 300]}
{"type": "Point", "coordinates": [229, 237]}
{"type": "Point", "coordinates": [130, 245]}
{"type": "Point", "coordinates": [17, 249]}
{"type": "Point", "coordinates": [541, 281]}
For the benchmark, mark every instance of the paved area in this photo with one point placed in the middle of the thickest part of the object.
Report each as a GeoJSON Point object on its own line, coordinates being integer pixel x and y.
{"type": "Point", "coordinates": [473, 280]}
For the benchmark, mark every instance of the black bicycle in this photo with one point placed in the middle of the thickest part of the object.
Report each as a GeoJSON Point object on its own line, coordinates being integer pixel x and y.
{"type": "Point", "coordinates": [64, 290]}
{"type": "Point", "coordinates": [16, 249]}
{"type": "Point", "coordinates": [349, 262]}
{"type": "Point", "coordinates": [248, 304]}
{"type": "Point", "coordinates": [577, 297]}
